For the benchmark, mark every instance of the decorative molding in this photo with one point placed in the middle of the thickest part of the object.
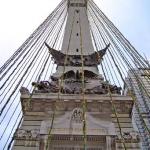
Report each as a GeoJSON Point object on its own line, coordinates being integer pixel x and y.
{"type": "Point", "coordinates": [130, 137]}
{"type": "Point", "coordinates": [27, 134]}
{"type": "Point", "coordinates": [29, 137]}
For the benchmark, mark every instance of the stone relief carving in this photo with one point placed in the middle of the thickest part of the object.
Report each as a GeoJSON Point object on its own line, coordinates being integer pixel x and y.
{"type": "Point", "coordinates": [24, 90]}
{"type": "Point", "coordinates": [28, 134]}
{"type": "Point", "coordinates": [135, 135]}
{"type": "Point", "coordinates": [77, 115]}
{"type": "Point", "coordinates": [45, 86]}
{"type": "Point", "coordinates": [129, 136]}
{"type": "Point", "coordinates": [20, 133]}
{"type": "Point", "coordinates": [35, 133]}
{"type": "Point", "coordinates": [74, 87]}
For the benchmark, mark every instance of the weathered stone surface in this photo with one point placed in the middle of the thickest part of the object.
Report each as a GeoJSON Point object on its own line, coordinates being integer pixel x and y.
{"type": "Point", "coordinates": [24, 148]}
{"type": "Point", "coordinates": [74, 107]}
{"type": "Point", "coordinates": [69, 119]}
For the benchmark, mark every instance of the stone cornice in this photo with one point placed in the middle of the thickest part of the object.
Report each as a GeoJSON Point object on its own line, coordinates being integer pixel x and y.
{"type": "Point", "coordinates": [77, 97]}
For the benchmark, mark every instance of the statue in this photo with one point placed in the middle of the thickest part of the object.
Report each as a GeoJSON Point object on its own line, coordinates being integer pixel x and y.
{"type": "Point", "coordinates": [35, 133]}
{"type": "Point", "coordinates": [45, 86]}
{"type": "Point", "coordinates": [127, 136]}
{"type": "Point", "coordinates": [20, 133]}
{"type": "Point", "coordinates": [134, 135]}
{"type": "Point", "coordinates": [24, 90]}
{"type": "Point", "coordinates": [77, 115]}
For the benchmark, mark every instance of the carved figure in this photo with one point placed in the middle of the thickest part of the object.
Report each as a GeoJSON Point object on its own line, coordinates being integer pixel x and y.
{"type": "Point", "coordinates": [54, 78]}
{"type": "Point", "coordinates": [28, 134]}
{"type": "Point", "coordinates": [66, 90]}
{"type": "Point", "coordinates": [45, 86]}
{"type": "Point", "coordinates": [77, 115]}
{"type": "Point", "coordinates": [20, 133]}
{"type": "Point", "coordinates": [134, 135]}
{"type": "Point", "coordinates": [77, 90]}
{"type": "Point", "coordinates": [99, 90]}
{"type": "Point", "coordinates": [35, 133]}
{"type": "Point", "coordinates": [74, 86]}
{"type": "Point", "coordinates": [117, 137]}
{"type": "Point", "coordinates": [127, 136]}
{"type": "Point", "coordinates": [24, 90]}
{"type": "Point", "coordinates": [114, 89]}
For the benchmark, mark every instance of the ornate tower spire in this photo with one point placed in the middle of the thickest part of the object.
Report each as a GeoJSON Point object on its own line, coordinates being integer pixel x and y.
{"type": "Point", "coordinates": [77, 28]}
{"type": "Point", "coordinates": [76, 108]}
{"type": "Point", "coordinates": [77, 42]}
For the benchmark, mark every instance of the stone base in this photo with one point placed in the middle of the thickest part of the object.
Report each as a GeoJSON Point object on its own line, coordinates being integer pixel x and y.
{"type": "Point", "coordinates": [102, 127]}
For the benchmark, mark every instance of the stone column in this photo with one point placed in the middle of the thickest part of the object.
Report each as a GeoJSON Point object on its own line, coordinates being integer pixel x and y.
{"type": "Point", "coordinates": [108, 143]}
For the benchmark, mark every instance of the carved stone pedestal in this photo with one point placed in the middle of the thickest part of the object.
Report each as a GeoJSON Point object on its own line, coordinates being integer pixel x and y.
{"type": "Point", "coordinates": [67, 129]}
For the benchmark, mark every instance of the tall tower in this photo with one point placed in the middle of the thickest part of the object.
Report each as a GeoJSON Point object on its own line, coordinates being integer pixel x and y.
{"type": "Point", "coordinates": [76, 109]}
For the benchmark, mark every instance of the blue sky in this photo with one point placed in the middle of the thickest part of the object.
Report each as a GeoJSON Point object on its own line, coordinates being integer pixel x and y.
{"type": "Point", "coordinates": [132, 17]}
{"type": "Point", "coordinates": [20, 18]}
